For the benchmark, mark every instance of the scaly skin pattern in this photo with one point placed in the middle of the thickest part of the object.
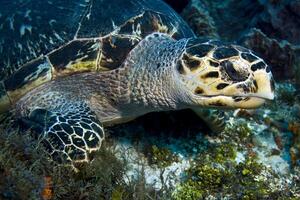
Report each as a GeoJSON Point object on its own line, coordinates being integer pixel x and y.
{"type": "Point", "coordinates": [143, 84]}
{"type": "Point", "coordinates": [159, 74]}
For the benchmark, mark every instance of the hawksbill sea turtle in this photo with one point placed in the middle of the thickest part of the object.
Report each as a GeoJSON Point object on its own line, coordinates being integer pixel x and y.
{"type": "Point", "coordinates": [68, 68]}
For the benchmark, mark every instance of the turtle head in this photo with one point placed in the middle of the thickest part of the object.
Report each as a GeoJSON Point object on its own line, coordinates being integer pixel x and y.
{"type": "Point", "coordinates": [224, 76]}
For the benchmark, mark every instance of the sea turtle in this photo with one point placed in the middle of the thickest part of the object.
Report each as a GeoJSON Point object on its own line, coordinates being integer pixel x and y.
{"type": "Point", "coordinates": [67, 67]}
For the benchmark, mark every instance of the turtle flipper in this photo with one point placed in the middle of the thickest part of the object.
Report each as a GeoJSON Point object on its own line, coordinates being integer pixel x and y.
{"type": "Point", "coordinates": [69, 134]}
{"type": "Point", "coordinates": [214, 119]}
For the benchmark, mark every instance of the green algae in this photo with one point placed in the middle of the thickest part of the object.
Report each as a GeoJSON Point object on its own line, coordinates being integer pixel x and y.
{"type": "Point", "coordinates": [161, 157]}
{"type": "Point", "coordinates": [237, 181]}
{"type": "Point", "coordinates": [188, 190]}
{"type": "Point", "coordinates": [224, 153]}
{"type": "Point", "coordinates": [216, 173]}
{"type": "Point", "coordinates": [240, 134]}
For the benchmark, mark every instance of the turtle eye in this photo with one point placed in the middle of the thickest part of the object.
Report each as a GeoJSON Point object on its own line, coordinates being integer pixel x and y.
{"type": "Point", "coordinates": [234, 75]}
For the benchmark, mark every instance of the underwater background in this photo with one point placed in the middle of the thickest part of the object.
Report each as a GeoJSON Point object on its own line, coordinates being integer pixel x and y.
{"type": "Point", "coordinates": [171, 155]}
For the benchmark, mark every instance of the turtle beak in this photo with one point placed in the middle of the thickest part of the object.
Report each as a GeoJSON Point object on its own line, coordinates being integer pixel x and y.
{"type": "Point", "coordinates": [265, 85]}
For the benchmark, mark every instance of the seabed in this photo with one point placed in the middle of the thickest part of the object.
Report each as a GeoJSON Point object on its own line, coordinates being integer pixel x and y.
{"type": "Point", "coordinates": [255, 157]}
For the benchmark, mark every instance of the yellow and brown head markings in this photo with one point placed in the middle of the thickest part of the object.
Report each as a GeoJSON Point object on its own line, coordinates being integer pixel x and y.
{"type": "Point", "coordinates": [255, 86]}
{"type": "Point", "coordinates": [199, 50]}
{"type": "Point", "coordinates": [220, 75]}
{"type": "Point", "coordinates": [257, 66]}
{"type": "Point", "coordinates": [221, 86]}
{"type": "Point", "coordinates": [249, 57]}
{"type": "Point", "coordinates": [199, 90]}
{"type": "Point", "coordinates": [244, 87]}
{"type": "Point", "coordinates": [225, 52]}
{"type": "Point", "coordinates": [237, 98]}
{"type": "Point", "coordinates": [217, 104]}
{"type": "Point", "coordinates": [212, 74]}
{"type": "Point", "coordinates": [213, 63]}
{"type": "Point", "coordinates": [191, 62]}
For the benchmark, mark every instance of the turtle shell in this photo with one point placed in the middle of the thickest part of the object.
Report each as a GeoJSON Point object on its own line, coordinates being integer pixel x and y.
{"type": "Point", "coordinates": [42, 40]}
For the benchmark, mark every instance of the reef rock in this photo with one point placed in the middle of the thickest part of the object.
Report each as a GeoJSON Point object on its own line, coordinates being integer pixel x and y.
{"type": "Point", "coordinates": [279, 19]}
{"type": "Point", "coordinates": [199, 19]}
{"type": "Point", "coordinates": [228, 18]}
{"type": "Point", "coordinates": [279, 55]}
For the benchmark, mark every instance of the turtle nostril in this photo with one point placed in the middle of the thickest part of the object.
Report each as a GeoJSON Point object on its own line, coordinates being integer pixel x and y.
{"type": "Point", "coordinates": [231, 71]}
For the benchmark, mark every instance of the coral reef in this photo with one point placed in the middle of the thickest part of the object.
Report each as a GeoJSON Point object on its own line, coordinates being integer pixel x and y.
{"type": "Point", "coordinates": [230, 17]}
{"type": "Point", "coordinates": [234, 17]}
{"type": "Point", "coordinates": [279, 55]}
{"type": "Point", "coordinates": [199, 19]}
{"type": "Point", "coordinates": [278, 17]}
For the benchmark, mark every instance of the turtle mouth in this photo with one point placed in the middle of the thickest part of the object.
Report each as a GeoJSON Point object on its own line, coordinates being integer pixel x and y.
{"type": "Point", "coordinates": [264, 97]}
{"type": "Point", "coordinates": [235, 101]}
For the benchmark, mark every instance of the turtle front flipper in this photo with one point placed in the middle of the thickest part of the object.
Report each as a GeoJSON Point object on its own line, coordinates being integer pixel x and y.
{"type": "Point", "coordinates": [69, 133]}
{"type": "Point", "coordinates": [214, 119]}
